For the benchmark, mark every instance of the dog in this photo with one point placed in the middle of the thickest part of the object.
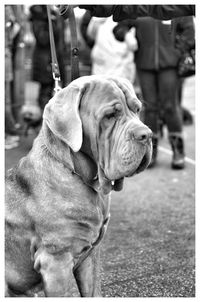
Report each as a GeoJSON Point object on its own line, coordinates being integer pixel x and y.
{"type": "Point", "coordinates": [58, 196]}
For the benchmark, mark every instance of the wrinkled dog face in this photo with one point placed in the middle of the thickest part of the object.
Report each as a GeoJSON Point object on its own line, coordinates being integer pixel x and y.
{"type": "Point", "coordinates": [123, 142]}
{"type": "Point", "coordinates": [99, 116]}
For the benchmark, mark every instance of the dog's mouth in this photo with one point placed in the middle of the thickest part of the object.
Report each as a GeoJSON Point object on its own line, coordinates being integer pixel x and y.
{"type": "Point", "coordinates": [144, 163]}
{"type": "Point", "coordinates": [117, 184]}
{"type": "Point", "coordinates": [129, 166]}
{"type": "Point", "coordinates": [130, 170]}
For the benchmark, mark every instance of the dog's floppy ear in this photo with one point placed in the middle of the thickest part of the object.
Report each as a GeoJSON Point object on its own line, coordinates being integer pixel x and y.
{"type": "Point", "coordinates": [62, 116]}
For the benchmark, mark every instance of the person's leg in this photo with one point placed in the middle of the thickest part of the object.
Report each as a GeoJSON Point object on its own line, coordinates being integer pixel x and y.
{"type": "Point", "coordinates": [186, 114]}
{"type": "Point", "coordinates": [168, 92]}
{"type": "Point", "coordinates": [148, 84]}
{"type": "Point", "coordinates": [11, 133]}
{"type": "Point", "coordinates": [9, 118]}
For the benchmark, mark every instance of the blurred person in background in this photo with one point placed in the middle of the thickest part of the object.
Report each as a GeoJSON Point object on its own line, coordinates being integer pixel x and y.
{"type": "Point", "coordinates": [12, 28]}
{"type": "Point", "coordinates": [41, 60]}
{"type": "Point", "coordinates": [157, 61]}
{"type": "Point", "coordinates": [108, 55]}
{"type": "Point", "coordinates": [185, 41]}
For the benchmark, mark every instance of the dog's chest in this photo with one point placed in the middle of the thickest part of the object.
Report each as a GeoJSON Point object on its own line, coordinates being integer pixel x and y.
{"type": "Point", "coordinates": [70, 219]}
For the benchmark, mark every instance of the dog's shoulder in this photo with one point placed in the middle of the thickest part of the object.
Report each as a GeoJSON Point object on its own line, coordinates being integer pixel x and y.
{"type": "Point", "coordinates": [18, 178]}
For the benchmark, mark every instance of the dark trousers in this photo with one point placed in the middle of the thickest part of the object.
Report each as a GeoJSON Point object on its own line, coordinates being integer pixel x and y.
{"type": "Point", "coordinates": [160, 94]}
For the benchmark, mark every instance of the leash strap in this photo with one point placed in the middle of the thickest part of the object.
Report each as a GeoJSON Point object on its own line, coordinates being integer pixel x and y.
{"type": "Point", "coordinates": [54, 61]}
{"type": "Point", "coordinates": [68, 13]}
{"type": "Point", "coordinates": [100, 237]}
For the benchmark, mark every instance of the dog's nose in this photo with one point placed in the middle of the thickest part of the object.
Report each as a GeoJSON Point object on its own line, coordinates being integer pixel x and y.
{"type": "Point", "coordinates": [142, 134]}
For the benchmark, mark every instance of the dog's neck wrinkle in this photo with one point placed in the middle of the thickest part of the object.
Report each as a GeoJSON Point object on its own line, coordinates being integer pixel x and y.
{"type": "Point", "coordinates": [79, 163]}
{"type": "Point", "coordinates": [88, 150]}
{"type": "Point", "coordinates": [84, 166]}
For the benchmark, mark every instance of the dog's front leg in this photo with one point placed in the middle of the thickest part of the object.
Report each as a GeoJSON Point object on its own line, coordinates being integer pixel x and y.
{"type": "Point", "coordinates": [87, 275]}
{"type": "Point", "coordinates": [56, 271]}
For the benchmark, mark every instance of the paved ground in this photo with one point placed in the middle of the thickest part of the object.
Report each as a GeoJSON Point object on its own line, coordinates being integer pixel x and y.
{"type": "Point", "coordinates": [149, 248]}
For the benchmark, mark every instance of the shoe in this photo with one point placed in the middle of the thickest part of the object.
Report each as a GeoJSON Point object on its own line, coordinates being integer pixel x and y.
{"type": "Point", "coordinates": [154, 152]}
{"type": "Point", "coordinates": [177, 144]}
{"type": "Point", "coordinates": [11, 141]}
{"type": "Point", "coordinates": [187, 117]}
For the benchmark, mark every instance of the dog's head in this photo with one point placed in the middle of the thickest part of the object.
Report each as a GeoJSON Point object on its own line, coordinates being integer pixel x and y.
{"type": "Point", "coordinates": [100, 116]}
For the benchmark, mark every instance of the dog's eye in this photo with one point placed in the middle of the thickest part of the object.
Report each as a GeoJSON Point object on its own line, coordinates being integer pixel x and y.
{"type": "Point", "coordinates": [114, 113]}
{"type": "Point", "coordinates": [111, 115]}
{"type": "Point", "coordinates": [137, 110]}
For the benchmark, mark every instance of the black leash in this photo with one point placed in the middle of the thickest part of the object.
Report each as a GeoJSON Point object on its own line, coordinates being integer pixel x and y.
{"type": "Point", "coordinates": [74, 46]}
{"type": "Point", "coordinates": [54, 61]}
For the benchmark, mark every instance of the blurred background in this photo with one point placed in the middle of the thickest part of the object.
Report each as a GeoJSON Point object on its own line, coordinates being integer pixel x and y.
{"type": "Point", "coordinates": [149, 249]}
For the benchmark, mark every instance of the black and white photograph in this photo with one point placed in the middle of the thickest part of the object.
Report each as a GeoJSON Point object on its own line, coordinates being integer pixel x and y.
{"type": "Point", "coordinates": [99, 142]}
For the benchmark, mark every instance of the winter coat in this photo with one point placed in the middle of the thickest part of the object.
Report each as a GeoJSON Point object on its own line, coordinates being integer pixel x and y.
{"type": "Point", "coordinates": [156, 48]}
{"type": "Point", "coordinates": [123, 12]}
{"type": "Point", "coordinates": [110, 56]}
{"type": "Point", "coordinates": [157, 42]}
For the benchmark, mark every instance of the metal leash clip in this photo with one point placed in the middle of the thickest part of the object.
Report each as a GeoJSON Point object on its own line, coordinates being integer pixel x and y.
{"type": "Point", "coordinates": [54, 64]}
{"type": "Point", "coordinates": [56, 78]}
{"type": "Point", "coordinates": [57, 87]}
